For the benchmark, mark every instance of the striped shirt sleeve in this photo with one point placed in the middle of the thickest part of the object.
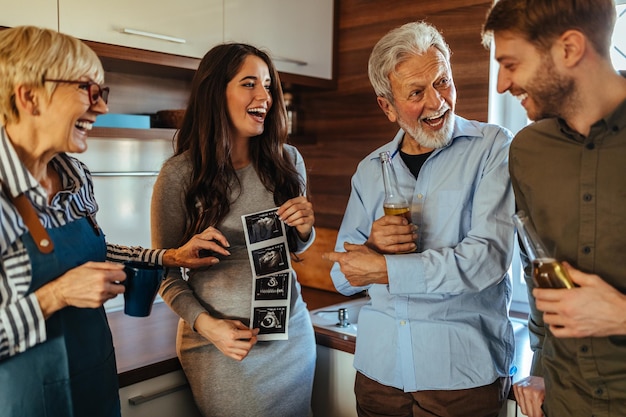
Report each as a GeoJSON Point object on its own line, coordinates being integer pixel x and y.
{"type": "Point", "coordinates": [22, 324]}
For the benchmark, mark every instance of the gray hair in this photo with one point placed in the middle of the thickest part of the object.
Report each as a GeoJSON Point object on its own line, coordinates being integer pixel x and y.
{"type": "Point", "coordinates": [396, 46]}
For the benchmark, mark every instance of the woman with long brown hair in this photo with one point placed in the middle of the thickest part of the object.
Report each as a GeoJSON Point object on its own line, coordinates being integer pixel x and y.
{"type": "Point", "coordinates": [231, 160]}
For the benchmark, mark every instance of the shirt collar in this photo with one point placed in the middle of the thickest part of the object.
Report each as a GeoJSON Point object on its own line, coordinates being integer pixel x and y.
{"type": "Point", "coordinates": [463, 128]}
{"type": "Point", "coordinates": [614, 121]}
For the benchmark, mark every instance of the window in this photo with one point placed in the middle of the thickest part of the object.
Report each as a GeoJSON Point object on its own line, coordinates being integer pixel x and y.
{"type": "Point", "coordinates": [505, 110]}
{"type": "Point", "coordinates": [618, 51]}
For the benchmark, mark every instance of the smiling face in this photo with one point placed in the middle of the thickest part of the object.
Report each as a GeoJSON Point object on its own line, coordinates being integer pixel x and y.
{"type": "Point", "coordinates": [248, 98]}
{"type": "Point", "coordinates": [69, 115]}
{"type": "Point", "coordinates": [532, 77]}
{"type": "Point", "coordinates": [424, 100]}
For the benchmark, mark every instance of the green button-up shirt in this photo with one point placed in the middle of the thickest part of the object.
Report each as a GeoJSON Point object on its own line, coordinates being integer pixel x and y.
{"type": "Point", "coordinates": [574, 189]}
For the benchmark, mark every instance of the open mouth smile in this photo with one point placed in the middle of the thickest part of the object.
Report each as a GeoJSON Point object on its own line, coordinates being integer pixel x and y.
{"type": "Point", "coordinates": [436, 121]}
{"type": "Point", "coordinates": [521, 97]}
{"type": "Point", "coordinates": [83, 125]}
{"type": "Point", "coordinates": [258, 113]}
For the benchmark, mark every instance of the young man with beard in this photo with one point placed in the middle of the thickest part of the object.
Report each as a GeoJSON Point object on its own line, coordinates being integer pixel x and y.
{"type": "Point", "coordinates": [436, 339]}
{"type": "Point", "coordinates": [567, 171]}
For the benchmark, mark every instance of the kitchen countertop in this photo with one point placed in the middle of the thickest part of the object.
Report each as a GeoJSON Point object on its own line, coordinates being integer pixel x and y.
{"type": "Point", "coordinates": [145, 347]}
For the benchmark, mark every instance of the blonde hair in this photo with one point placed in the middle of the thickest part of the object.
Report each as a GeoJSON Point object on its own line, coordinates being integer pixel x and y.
{"type": "Point", "coordinates": [29, 54]}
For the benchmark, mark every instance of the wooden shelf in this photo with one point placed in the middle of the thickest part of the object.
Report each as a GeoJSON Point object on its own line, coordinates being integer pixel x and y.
{"type": "Point", "coordinates": [125, 133]}
{"type": "Point", "coordinates": [168, 134]}
{"type": "Point", "coordinates": [123, 59]}
{"type": "Point", "coordinates": [116, 58]}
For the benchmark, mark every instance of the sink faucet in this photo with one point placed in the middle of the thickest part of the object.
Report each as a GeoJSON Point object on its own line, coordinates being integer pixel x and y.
{"type": "Point", "coordinates": [342, 316]}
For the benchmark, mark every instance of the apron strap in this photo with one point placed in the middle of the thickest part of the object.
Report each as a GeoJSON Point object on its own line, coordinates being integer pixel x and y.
{"type": "Point", "coordinates": [26, 210]}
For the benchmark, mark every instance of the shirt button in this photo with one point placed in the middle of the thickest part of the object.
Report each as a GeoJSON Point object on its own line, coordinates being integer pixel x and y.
{"type": "Point", "coordinates": [590, 146]}
{"type": "Point", "coordinates": [587, 197]}
{"type": "Point", "coordinates": [599, 391]}
{"type": "Point", "coordinates": [615, 129]}
{"type": "Point", "coordinates": [420, 196]}
{"type": "Point", "coordinates": [402, 322]}
{"type": "Point", "coordinates": [584, 349]}
{"type": "Point", "coordinates": [586, 250]}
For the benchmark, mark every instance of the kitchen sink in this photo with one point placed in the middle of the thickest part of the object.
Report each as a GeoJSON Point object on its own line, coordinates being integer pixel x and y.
{"type": "Point", "coordinates": [341, 317]}
{"type": "Point", "coordinates": [344, 318]}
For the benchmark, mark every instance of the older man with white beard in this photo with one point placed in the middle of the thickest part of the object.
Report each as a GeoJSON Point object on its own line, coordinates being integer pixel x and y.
{"type": "Point", "coordinates": [435, 339]}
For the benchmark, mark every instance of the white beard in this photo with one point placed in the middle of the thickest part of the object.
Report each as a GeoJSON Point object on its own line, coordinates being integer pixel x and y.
{"type": "Point", "coordinates": [427, 139]}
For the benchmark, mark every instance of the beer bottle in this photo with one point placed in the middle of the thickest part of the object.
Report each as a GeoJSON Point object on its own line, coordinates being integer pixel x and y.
{"type": "Point", "coordinates": [547, 271]}
{"type": "Point", "coordinates": [394, 204]}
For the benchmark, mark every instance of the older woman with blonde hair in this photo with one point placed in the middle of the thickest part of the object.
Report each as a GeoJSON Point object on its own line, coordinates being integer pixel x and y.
{"type": "Point", "coordinates": [56, 352]}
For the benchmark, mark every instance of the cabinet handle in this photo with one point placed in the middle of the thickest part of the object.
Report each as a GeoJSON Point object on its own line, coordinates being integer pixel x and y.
{"type": "Point", "coordinates": [290, 60]}
{"type": "Point", "coordinates": [140, 399]}
{"type": "Point", "coordinates": [153, 35]}
{"type": "Point", "coordinates": [125, 174]}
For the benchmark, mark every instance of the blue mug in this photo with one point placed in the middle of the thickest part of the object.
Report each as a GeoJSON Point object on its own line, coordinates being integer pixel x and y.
{"type": "Point", "coordinates": [142, 285]}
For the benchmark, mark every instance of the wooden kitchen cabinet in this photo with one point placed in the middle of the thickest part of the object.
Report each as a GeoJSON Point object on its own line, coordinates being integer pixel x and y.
{"type": "Point", "coordinates": [29, 12]}
{"type": "Point", "coordinates": [147, 75]}
{"type": "Point", "coordinates": [185, 27]}
{"type": "Point", "coordinates": [298, 33]}
{"type": "Point", "coordinates": [163, 396]}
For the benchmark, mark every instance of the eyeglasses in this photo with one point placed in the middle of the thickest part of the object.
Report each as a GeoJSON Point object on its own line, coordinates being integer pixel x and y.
{"type": "Point", "coordinates": [93, 89]}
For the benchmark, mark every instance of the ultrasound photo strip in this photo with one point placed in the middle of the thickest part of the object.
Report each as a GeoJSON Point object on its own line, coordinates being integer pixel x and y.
{"type": "Point", "coordinates": [268, 251]}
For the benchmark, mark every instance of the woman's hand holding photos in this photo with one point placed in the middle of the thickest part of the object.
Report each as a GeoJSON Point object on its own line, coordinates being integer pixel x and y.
{"type": "Point", "coordinates": [231, 337]}
{"type": "Point", "coordinates": [298, 212]}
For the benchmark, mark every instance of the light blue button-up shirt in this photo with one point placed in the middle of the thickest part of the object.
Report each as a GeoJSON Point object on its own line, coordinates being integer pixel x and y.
{"type": "Point", "coordinates": [442, 321]}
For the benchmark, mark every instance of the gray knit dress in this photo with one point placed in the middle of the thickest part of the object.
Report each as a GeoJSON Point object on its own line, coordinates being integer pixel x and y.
{"type": "Point", "coordinates": [276, 378]}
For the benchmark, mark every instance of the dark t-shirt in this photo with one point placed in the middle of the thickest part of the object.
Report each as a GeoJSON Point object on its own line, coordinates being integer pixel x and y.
{"type": "Point", "coordinates": [415, 162]}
